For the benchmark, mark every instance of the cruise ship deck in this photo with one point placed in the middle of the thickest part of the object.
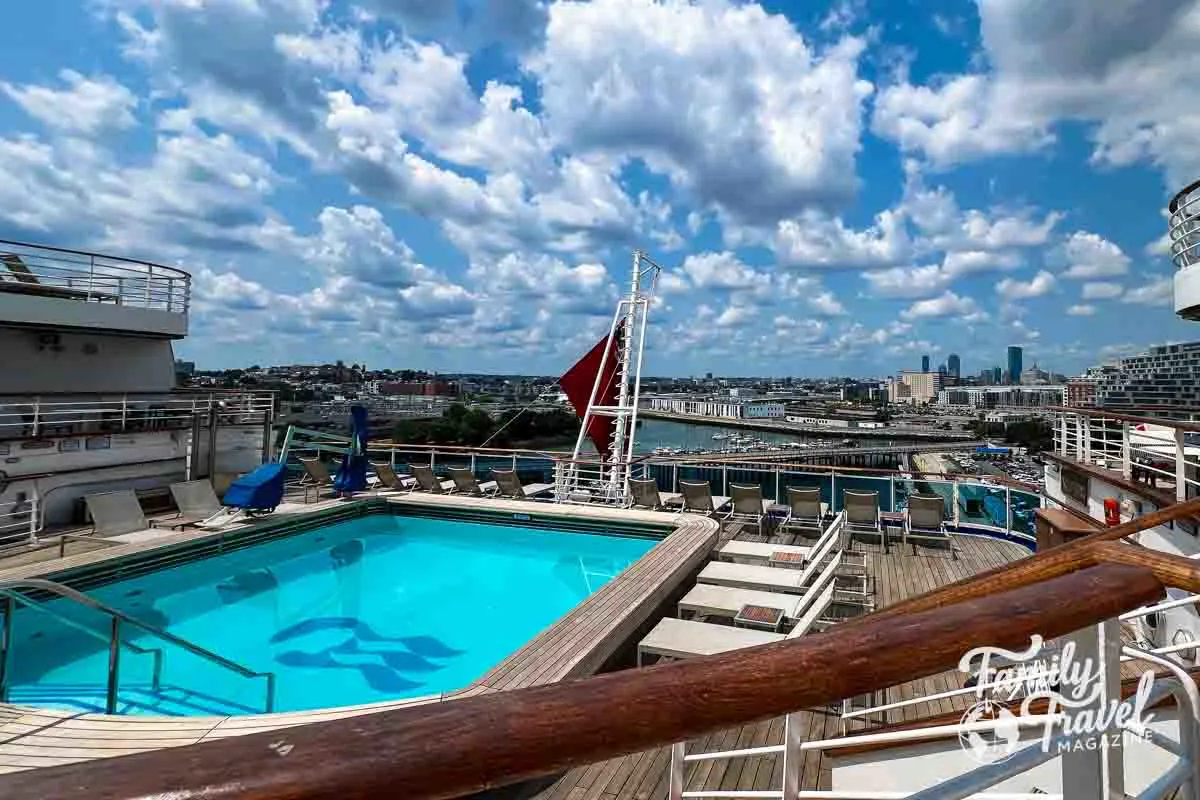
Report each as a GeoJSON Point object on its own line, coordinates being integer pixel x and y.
{"type": "Point", "coordinates": [897, 575]}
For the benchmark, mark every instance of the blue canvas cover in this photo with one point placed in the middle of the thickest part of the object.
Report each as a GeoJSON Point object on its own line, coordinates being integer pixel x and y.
{"type": "Point", "coordinates": [260, 490]}
{"type": "Point", "coordinates": [352, 475]}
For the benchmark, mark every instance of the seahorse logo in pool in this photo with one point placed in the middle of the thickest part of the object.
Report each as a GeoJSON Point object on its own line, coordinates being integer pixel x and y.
{"type": "Point", "coordinates": [392, 656]}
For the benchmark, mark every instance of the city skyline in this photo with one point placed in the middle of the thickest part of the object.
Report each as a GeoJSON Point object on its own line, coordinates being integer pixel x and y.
{"type": "Point", "coordinates": [459, 185]}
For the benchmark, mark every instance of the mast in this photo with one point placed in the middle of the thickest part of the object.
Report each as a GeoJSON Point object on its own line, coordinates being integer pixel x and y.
{"type": "Point", "coordinates": [629, 322]}
{"type": "Point", "coordinates": [623, 415]}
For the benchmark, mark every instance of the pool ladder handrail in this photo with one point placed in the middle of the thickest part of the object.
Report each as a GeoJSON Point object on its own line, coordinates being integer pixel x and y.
{"type": "Point", "coordinates": [12, 589]}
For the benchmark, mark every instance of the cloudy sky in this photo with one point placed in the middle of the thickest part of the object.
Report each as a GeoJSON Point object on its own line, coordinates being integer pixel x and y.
{"type": "Point", "coordinates": [834, 188]}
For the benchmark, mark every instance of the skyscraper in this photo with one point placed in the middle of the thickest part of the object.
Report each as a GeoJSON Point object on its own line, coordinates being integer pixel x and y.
{"type": "Point", "coordinates": [997, 374]}
{"type": "Point", "coordinates": [954, 365]}
{"type": "Point", "coordinates": [1014, 365]}
{"type": "Point", "coordinates": [924, 363]}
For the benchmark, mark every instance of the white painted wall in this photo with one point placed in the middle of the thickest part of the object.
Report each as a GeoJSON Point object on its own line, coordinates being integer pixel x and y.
{"type": "Point", "coordinates": [84, 363]}
{"type": "Point", "coordinates": [143, 460]}
{"type": "Point", "coordinates": [58, 312]}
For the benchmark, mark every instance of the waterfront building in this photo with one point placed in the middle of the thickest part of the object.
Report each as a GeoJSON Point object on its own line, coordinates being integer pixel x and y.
{"type": "Point", "coordinates": [954, 365]}
{"type": "Point", "coordinates": [1167, 376]}
{"type": "Point", "coordinates": [924, 363]}
{"type": "Point", "coordinates": [1014, 365]}
{"type": "Point", "coordinates": [1001, 396]}
{"type": "Point", "coordinates": [720, 407]}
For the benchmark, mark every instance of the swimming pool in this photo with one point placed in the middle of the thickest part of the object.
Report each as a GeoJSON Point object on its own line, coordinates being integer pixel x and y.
{"type": "Point", "coordinates": [375, 608]}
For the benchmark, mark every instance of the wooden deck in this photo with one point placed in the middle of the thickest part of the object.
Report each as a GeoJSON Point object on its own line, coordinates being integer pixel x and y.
{"type": "Point", "coordinates": [897, 575]}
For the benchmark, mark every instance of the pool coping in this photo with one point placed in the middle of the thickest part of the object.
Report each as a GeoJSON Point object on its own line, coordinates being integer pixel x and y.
{"type": "Point", "coordinates": [577, 644]}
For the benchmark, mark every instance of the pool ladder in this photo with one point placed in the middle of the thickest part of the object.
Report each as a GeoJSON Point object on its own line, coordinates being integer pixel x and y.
{"type": "Point", "coordinates": [11, 595]}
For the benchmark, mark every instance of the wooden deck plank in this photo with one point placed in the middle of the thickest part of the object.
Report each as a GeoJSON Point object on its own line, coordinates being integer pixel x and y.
{"type": "Point", "coordinates": [896, 576]}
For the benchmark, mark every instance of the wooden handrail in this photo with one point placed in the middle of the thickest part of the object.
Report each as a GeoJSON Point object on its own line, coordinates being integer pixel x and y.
{"type": "Point", "coordinates": [483, 742]}
{"type": "Point", "coordinates": [1052, 563]}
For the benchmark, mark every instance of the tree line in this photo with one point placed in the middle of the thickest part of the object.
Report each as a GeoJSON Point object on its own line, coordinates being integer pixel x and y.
{"type": "Point", "coordinates": [471, 427]}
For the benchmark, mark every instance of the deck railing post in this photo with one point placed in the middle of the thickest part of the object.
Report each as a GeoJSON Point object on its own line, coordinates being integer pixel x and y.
{"type": "Point", "coordinates": [1180, 465]}
{"type": "Point", "coordinates": [114, 666]}
{"type": "Point", "coordinates": [954, 501]}
{"type": "Point", "coordinates": [1126, 453]}
{"type": "Point", "coordinates": [37, 414]}
{"type": "Point", "coordinates": [793, 756]}
{"type": "Point", "coordinates": [675, 779]}
{"type": "Point", "coordinates": [1094, 769]}
{"type": "Point", "coordinates": [1085, 424]}
{"type": "Point", "coordinates": [833, 491]}
{"type": "Point", "coordinates": [6, 608]}
{"type": "Point", "coordinates": [1008, 509]}
{"type": "Point", "coordinates": [725, 479]}
{"type": "Point", "coordinates": [34, 515]}
{"type": "Point", "coordinates": [892, 491]}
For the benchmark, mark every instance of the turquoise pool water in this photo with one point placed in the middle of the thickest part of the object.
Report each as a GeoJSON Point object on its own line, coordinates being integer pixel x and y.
{"type": "Point", "coordinates": [371, 609]}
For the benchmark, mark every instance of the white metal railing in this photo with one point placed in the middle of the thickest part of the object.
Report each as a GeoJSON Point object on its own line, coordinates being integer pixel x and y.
{"type": "Point", "coordinates": [72, 274]}
{"type": "Point", "coordinates": [1180, 780]}
{"type": "Point", "coordinates": [20, 518]}
{"type": "Point", "coordinates": [33, 416]}
{"type": "Point", "coordinates": [979, 505]}
{"type": "Point", "coordinates": [1159, 453]}
{"type": "Point", "coordinates": [1183, 226]}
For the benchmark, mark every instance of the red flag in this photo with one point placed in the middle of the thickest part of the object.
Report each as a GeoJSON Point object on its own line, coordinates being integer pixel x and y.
{"type": "Point", "coordinates": [578, 381]}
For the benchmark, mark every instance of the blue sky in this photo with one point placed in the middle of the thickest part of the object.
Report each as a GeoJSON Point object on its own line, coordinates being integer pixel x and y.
{"type": "Point", "coordinates": [833, 188]}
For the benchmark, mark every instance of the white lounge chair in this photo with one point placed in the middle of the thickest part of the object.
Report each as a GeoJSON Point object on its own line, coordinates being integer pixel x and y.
{"type": "Point", "coordinates": [316, 476]}
{"type": "Point", "coordinates": [862, 513]}
{"type": "Point", "coordinates": [390, 481]}
{"type": "Point", "coordinates": [711, 600]}
{"type": "Point", "coordinates": [465, 482]}
{"type": "Point", "coordinates": [748, 505]}
{"type": "Point", "coordinates": [645, 494]}
{"type": "Point", "coordinates": [925, 520]}
{"type": "Point", "coordinates": [510, 486]}
{"type": "Point", "coordinates": [806, 513]}
{"type": "Point", "coordinates": [698, 498]}
{"type": "Point", "coordinates": [115, 513]}
{"type": "Point", "coordinates": [772, 579]}
{"type": "Point", "coordinates": [681, 638]}
{"type": "Point", "coordinates": [195, 500]}
{"type": "Point", "coordinates": [426, 481]}
{"type": "Point", "coordinates": [758, 552]}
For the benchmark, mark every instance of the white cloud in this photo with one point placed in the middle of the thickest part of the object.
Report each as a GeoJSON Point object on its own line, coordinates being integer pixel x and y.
{"type": "Point", "coordinates": [86, 105]}
{"type": "Point", "coordinates": [1011, 289]}
{"type": "Point", "coordinates": [1156, 292]}
{"type": "Point", "coordinates": [825, 304]}
{"type": "Point", "coordinates": [815, 239]}
{"type": "Point", "coordinates": [947, 304]}
{"type": "Point", "coordinates": [1101, 290]}
{"type": "Point", "coordinates": [721, 271]}
{"type": "Point", "coordinates": [907, 282]}
{"type": "Point", "coordinates": [960, 119]}
{"type": "Point", "coordinates": [1123, 67]}
{"type": "Point", "coordinates": [1088, 255]}
{"type": "Point", "coordinates": [726, 99]}
{"type": "Point", "coordinates": [1081, 310]}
